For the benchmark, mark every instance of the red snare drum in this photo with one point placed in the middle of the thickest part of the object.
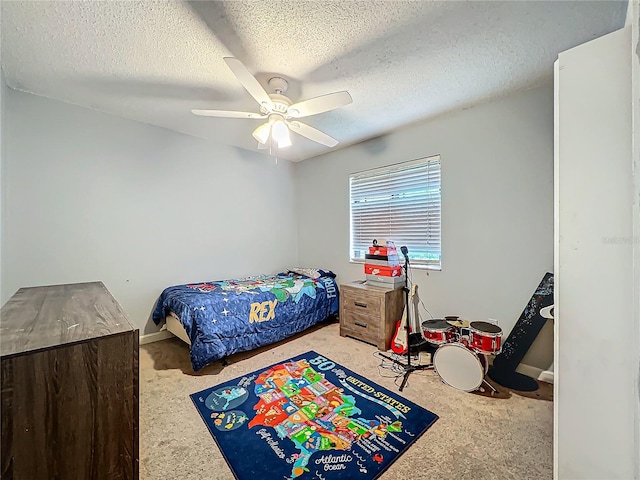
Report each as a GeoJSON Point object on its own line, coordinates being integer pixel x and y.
{"type": "Point", "coordinates": [486, 338]}
{"type": "Point", "coordinates": [438, 331]}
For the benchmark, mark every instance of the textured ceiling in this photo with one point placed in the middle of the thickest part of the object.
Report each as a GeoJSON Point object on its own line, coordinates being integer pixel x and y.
{"type": "Point", "coordinates": [401, 61]}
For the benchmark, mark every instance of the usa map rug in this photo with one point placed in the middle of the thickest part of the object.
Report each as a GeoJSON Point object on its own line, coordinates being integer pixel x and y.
{"type": "Point", "coordinates": [309, 418]}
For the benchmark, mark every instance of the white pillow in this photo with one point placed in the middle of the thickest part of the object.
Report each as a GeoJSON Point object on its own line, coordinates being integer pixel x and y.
{"type": "Point", "coordinates": [309, 272]}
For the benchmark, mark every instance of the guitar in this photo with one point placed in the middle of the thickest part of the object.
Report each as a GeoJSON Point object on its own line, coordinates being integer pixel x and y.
{"type": "Point", "coordinates": [399, 340]}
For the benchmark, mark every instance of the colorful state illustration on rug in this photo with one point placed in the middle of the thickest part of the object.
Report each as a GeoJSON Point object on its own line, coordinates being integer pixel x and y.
{"type": "Point", "coordinates": [308, 417]}
{"type": "Point", "coordinates": [225, 398]}
{"type": "Point", "coordinates": [300, 404]}
{"type": "Point", "coordinates": [229, 420]}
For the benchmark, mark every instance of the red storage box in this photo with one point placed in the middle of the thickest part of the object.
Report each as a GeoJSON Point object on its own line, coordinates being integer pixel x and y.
{"type": "Point", "coordinates": [391, 271]}
{"type": "Point", "coordinates": [383, 251]}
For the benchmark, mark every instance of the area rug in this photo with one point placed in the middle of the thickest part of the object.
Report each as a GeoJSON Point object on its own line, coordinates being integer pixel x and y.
{"type": "Point", "coordinates": [308, 417]}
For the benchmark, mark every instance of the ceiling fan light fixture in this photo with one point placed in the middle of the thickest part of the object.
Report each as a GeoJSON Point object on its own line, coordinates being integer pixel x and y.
{"type": "Point", "coordinates": [280, 133]}
{"type": "Point", "coordinates": [279, 110]}
{"type": "Point", "coordinates": [261, 134]}
{"type": "Point", "coordinates": [284, 142]}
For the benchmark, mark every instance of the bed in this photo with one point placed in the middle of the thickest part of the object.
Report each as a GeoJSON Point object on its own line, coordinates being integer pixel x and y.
{"type": "Point", "coordinates": [224, 317]}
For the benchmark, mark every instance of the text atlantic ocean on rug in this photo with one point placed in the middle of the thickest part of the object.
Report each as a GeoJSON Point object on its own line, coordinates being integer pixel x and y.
{"type": "Point", "coordinates": [309, 418]}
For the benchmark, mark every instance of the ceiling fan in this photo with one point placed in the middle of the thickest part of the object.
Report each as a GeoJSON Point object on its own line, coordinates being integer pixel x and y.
{"type": "Point", "coordinates": [280, 112]}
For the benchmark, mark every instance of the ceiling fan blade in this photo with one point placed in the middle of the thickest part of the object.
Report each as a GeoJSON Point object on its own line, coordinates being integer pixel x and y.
{"type": "Point", "coordinates": [320, 104]}
{"type": "Point", "coordinates": [249, 82]}
{"type": "Point", "coordinates": [226, 114]}
{"type": "Point", "coordinates": [312, 134]}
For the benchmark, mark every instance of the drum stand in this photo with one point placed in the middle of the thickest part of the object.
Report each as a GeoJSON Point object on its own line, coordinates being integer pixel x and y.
{"type": "Point", "coordinates": [493, 389]}
{"type": "Point", "coordinates": [408, 368]}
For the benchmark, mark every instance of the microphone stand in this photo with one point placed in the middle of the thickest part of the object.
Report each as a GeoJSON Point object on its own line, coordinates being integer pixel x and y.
{"type": "Point", "coordinates": [408, 368]}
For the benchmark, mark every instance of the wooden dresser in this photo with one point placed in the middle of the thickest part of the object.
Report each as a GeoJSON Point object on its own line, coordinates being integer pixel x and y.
{"type": "Point", "coordinates": [370, 313]}
{"type": "Point", "coordinates": [69, 385]}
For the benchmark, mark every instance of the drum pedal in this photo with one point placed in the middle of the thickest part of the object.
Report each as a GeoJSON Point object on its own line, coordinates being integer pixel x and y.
{"type": "Point", "coordinates": [424, 358]}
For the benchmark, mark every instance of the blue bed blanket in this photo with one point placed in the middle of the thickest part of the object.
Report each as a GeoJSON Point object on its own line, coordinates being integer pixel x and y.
{"type": "Point", "coordinates": [229, 316]}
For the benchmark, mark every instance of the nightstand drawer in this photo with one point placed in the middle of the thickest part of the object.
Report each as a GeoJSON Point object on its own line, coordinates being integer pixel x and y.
{"type": "Point", "coordinates": [361, 303]}
{"type": "Point", "coordinates": [364, 324]}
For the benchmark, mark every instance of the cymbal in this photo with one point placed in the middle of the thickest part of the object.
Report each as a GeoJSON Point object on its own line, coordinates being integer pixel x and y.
{"type": "Point", "coordinates": [459, 323]}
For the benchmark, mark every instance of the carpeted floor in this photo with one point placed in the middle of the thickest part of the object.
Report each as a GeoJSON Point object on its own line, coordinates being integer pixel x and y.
{"type": "Point", "coordinates": [476, 436]}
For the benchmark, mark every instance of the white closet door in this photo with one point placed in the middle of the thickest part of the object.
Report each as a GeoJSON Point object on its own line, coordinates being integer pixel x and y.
{"type": "Point", "coordinates": [595, 393]}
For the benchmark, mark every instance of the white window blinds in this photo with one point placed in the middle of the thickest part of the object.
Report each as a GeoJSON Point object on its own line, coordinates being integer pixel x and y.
{"type": "Point", "coordinates": [400, 203]}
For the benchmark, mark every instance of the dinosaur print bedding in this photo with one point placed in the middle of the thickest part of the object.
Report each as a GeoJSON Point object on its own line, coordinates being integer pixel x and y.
{"type": "Point", "coordinates": [229, 316]}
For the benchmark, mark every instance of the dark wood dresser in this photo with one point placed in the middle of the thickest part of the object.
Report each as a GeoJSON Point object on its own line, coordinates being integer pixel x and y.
{"type": "Point", "coordinates": [69, 385]}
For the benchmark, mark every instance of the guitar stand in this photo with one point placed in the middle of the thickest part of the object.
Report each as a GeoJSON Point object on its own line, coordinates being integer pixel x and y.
{"type": "Point", "coordinates": [408, 368]}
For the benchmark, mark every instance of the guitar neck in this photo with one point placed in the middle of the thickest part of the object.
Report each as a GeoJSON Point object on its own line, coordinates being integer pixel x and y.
{"type": "Point", "coordinates": [413, 307]}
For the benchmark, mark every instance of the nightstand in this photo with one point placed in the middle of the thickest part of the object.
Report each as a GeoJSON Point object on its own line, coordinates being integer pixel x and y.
{"type": "Point", "coordinates": [370, 313]}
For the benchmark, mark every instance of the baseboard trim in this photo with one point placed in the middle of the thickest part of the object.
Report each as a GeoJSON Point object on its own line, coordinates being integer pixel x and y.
{"type": "Point", "coordinates": [155, 337]}
{"type": "Point", "coordinates": [533, 372]}
{"type": "Point", "coordinates": [546, 376]}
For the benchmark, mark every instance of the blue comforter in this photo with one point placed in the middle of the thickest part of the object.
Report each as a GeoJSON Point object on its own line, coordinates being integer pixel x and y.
{"type": "Point", "coordinates": [225, 317]}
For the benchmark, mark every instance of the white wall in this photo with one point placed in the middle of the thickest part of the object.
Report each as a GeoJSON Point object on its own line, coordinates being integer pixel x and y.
{"type": "Point", "coordinates": [94, 197]}
{"type": "Point", "coordinates": [497, 205]}
{"type": "Point", "coordinates": [633, 19]}
{"type": "Point", "coordinates": [596, 385]}
{"type": "Point", "coordinates": [3, 94]}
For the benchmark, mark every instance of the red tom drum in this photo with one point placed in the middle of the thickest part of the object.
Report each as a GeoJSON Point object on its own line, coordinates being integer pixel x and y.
{"type": "Point", "coordinates": [438, 331]}
{"type": "Point", "coordinates": [486, 338]}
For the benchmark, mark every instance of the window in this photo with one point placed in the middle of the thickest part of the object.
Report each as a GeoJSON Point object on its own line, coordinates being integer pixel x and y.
{"type": "Point", "coordinates": [400, 203]}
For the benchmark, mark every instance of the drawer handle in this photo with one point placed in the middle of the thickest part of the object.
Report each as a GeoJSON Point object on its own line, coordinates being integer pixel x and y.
{"type": "Point", "coordinates": [360, 304]}
{"type": "Point", "coordinates": [360, 324]}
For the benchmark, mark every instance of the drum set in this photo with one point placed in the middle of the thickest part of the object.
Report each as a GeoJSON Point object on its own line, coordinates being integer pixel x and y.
{"type": "Point", "coordinates": [461, 357]}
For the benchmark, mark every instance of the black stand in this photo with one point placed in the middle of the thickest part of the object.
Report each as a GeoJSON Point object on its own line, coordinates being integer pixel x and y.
{"type": "Point", "coordinates": [408, 368]}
